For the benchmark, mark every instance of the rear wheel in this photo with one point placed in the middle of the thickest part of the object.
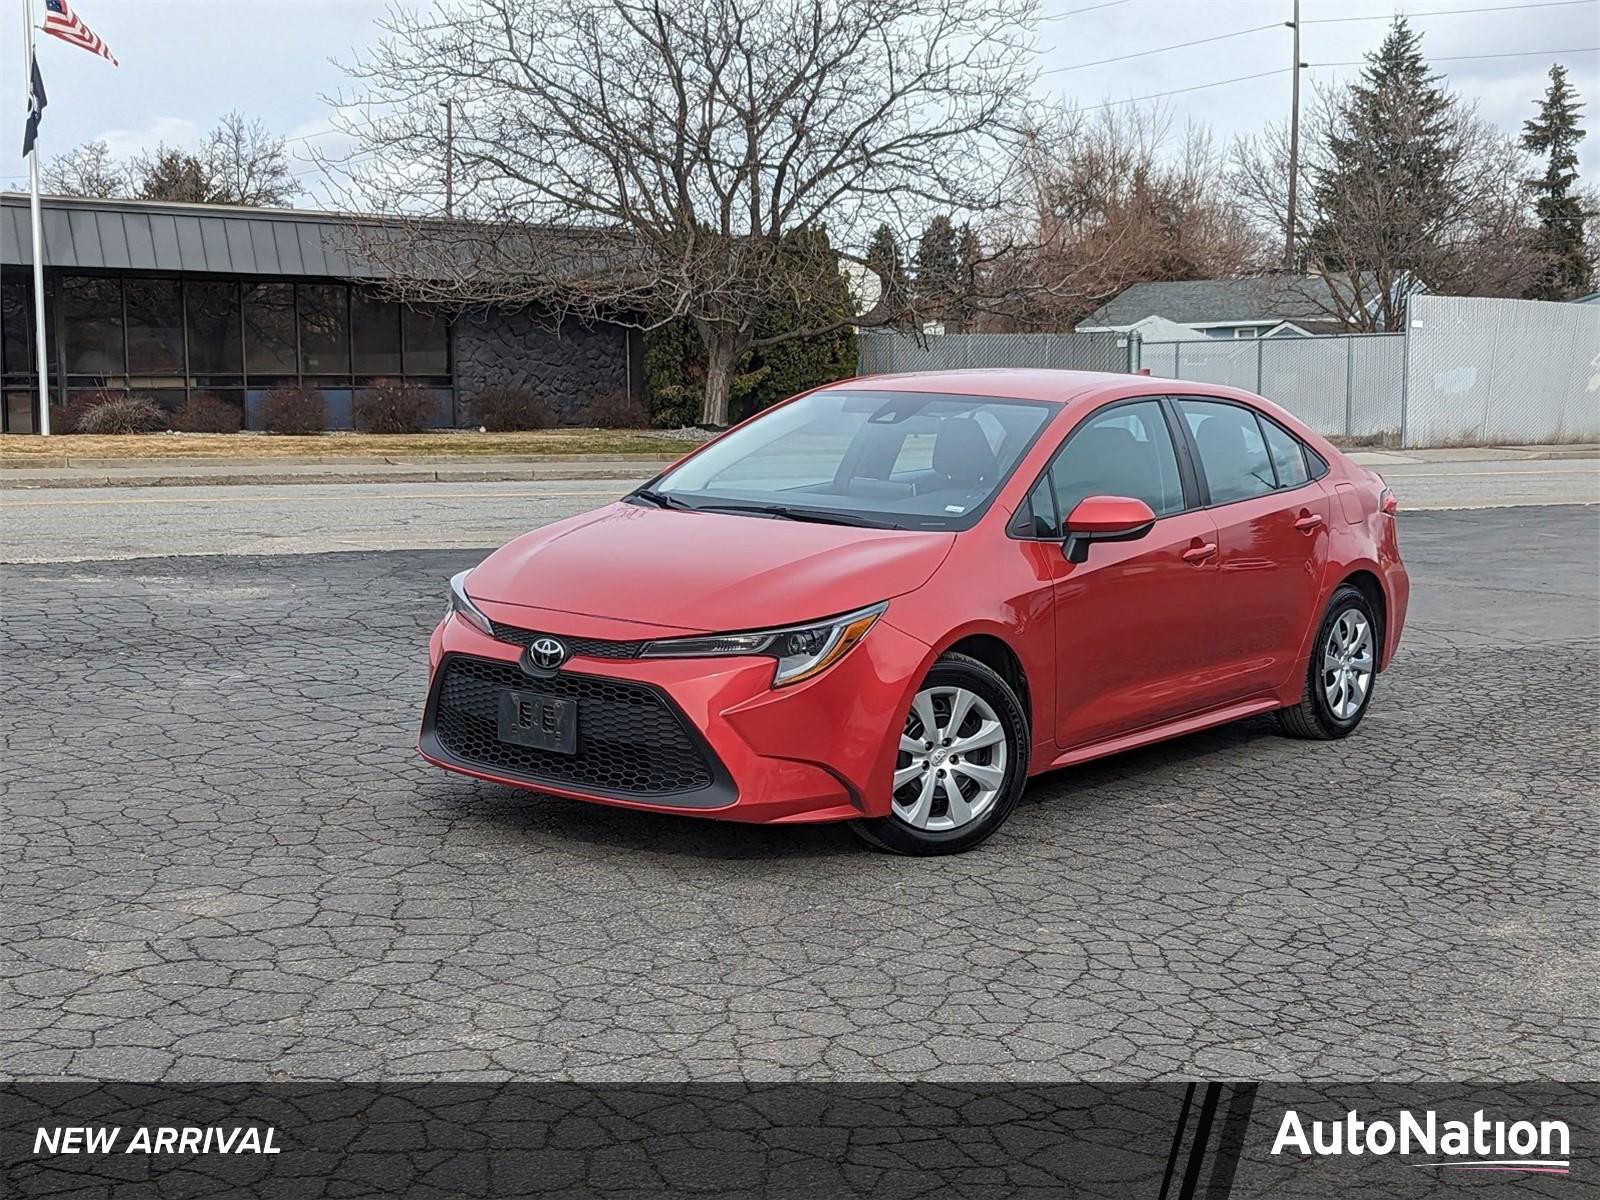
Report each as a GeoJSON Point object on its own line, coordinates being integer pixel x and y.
{"type": "Point", "coordinates": [962, 763]}
{"type": "Point", "coordinates": [1343, 668]}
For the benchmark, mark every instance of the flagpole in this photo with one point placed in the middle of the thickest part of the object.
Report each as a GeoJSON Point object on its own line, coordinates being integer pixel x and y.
{"type": "Point", "coordinates": [38, 238]}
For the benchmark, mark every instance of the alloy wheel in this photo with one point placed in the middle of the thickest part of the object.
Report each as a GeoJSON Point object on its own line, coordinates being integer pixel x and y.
{"type": "Point", "coordinates": [1347, 663]}
{"type": "Point", "coordinates": [952, 761]}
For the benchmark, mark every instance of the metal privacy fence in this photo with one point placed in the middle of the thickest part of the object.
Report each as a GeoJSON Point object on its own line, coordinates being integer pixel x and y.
{"type": "Point", "coordinates": [1467, 370]}
{"type": "Point", "coordinates": [1486, 371]}
{"type": "Point", "coordinates": [1343, 386]}
{"type": "Point", "coordinates": [882, 352]}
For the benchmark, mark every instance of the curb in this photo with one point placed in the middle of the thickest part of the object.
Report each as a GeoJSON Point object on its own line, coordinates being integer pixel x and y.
{"type": "Point", "coordinates": [508, 473]}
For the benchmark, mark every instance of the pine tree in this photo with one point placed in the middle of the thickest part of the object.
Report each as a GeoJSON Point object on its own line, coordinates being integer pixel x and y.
{"type": "Point", "coordinates": [1555, 133]}
{"type": "Point", "coordinates": [1392, 139]}
{"type": "Point", "coordinates": [938, 270]}
{"type": "Point", "coordinates": [883, 256]}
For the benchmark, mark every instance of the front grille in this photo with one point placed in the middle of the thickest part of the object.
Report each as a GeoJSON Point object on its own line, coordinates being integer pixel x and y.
{"type": "Point", "coordinates": [631, 740]}
{"type": "Point", "coordinates": [591, 647]}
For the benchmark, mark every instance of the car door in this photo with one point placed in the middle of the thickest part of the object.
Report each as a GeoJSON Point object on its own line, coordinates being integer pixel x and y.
{"type": "Point", "coordinates": [1132, 621]}
{"type": "Point", "coordinates": [1272, 531]}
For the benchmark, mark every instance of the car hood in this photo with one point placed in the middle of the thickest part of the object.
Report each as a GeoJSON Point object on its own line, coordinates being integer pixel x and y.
{"type": "Point", "coordinates": [704, 571]}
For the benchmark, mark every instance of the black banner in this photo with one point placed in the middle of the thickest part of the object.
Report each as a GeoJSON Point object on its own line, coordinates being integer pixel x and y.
{"type": "Point", "coordinates": [887, 1141]}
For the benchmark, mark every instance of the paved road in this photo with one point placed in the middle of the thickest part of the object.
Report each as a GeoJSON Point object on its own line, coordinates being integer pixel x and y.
{"type": "Point", "coordinates": [104, 523]}
{"type": "Point", "coordinates": [223, 860]}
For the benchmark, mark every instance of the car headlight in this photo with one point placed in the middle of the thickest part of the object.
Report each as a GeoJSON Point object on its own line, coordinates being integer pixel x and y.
{"type": "Point", "coordinates": [462, 605]}
{"type": "Point", "coordinates": [801, 651]}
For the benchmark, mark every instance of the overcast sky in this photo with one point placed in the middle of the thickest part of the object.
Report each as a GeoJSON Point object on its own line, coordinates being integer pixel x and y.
{"type": "Point", "coordinates": [183, 65]}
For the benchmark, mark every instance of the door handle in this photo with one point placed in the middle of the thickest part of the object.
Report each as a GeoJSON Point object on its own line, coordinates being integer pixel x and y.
{"type": "Point", "coordinates": [1308, 522]}
{"type": "Point", "coordinates": [1199, 554]}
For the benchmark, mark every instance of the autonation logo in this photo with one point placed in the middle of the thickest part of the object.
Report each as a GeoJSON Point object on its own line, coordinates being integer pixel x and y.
{"type": "Point", "coordinates": [1540, 1148]}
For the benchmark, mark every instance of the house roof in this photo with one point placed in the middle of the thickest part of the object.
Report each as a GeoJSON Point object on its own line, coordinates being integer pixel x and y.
{"type": "Point", "coordinates": [1258, 298]}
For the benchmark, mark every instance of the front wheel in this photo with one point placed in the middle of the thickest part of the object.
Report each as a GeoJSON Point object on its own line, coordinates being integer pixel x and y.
{"type": "Point", "coordinates": [1343, 668]}
{"type": "Point", "coordinates": [962, 763]}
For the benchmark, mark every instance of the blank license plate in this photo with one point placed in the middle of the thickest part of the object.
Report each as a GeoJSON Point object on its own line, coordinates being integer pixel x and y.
{"type": "Point", "coordinates": [543, 722]}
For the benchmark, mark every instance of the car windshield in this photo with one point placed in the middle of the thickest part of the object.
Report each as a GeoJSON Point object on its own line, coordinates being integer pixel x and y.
{"type": "Point", "coordinates": [906, 460]}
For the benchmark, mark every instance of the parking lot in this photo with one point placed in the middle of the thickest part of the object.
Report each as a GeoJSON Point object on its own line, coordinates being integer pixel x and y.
{"type": "Point", "coordinates": [223, 860]}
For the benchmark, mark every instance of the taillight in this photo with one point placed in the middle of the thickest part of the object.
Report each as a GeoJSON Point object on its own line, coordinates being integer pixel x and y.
{"type": "Point", "coordinates": [1388, 503]}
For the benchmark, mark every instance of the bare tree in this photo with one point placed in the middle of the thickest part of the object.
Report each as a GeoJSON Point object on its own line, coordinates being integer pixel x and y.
{"type": "Point", "coordinates": [687, 141]}
{"type": "Point", "coordinates": [1114, 207]}
{"type": "Point", "coordinates": [89, 170]}
{"type": "Point", "coordinates": [247, 165]}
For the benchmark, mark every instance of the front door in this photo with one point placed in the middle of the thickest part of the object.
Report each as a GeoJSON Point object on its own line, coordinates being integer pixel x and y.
{"type": "Point", "coordinates": [1133, 622]}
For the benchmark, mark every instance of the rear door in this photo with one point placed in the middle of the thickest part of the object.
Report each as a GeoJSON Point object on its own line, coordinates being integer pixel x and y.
{"type": "Point", "coordinates": [1133, 621]}
{"type": "Point", "coordinates": [1272, 531]}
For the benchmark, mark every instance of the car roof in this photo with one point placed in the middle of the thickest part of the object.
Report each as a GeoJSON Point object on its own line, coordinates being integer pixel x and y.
{"type": "Point", "coordinates": [1080, 390]}
{"type": "Point", "coordinates": [1030, 383]}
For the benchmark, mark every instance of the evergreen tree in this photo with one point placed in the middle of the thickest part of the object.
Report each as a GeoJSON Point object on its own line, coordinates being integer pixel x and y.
{"type": "Point", "coordinates": [1555, 133]}
{"type": "Point", "coordinates": [969, 257]}
{"type": "Point", "coordinates": [938, 270]}
{"type": "Point", "coordinates": [883, 256]}
{"type": "Point", "coordinates": [1393, 139]}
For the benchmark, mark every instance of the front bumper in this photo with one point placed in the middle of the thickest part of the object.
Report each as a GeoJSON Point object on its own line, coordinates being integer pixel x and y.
{"type": "Point", "coordinates": [821, 750]}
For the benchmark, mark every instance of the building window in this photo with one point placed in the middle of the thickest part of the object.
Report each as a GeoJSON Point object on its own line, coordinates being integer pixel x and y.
{"type": "Point", "coordinates": [155, 326]}
{"type": "Point", "coordinates": [269, 347]}
{"type": "Point", "coordinates": [374, 334]}
{"type": "Point", "coordinates": [216, 340]}
{"type": "Point", "coordinates": [324, 328]}
{"type": "Point", "coordinates": [16, 328]}
{"type": "Point", "coordinates": [427, 342]}
{"type": "Point", "coordinates": [91, 316]}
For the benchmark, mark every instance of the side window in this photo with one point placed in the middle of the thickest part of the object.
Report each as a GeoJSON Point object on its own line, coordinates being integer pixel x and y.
{"type": "Point", "coordinates": [1314, 461]}
{"type": "Point", "coordinates": [1287, 456]}
{"type": "Point", "coordinates": [1232, 451]}
{"type": "Point", "coordinates": [1124, 451]}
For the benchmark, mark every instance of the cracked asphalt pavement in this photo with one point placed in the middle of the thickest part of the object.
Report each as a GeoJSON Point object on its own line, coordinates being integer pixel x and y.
{"type": "Point", "coordinates": [222, 859]}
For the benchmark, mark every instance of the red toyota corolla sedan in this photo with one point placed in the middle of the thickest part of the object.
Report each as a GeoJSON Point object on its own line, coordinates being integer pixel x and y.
{"type": "Point", "coordinates": [891, 600]}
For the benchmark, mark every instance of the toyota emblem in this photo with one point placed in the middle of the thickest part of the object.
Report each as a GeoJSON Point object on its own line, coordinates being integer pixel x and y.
{"type": "Point", "coordinates": [548, 653]}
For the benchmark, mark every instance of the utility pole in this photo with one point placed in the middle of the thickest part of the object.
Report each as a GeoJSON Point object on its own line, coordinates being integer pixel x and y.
{"type": "Point", "coordinates": [450, 154]}
{"type": "Point", "coordinates": [1294, 143]}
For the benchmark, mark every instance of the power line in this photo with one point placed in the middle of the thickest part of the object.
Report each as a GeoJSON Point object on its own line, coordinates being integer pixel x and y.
{"type": "Point", "coordinates": [1464, 57]}
{"type": "Point", "coordinates": [1448, 12]}
{"type": "Point", "coordinates": [1221, 37]}
{"type": "Point", "coordinates": [1077, 11]}
{"type": "Point", "coordinates": [1196, 88]}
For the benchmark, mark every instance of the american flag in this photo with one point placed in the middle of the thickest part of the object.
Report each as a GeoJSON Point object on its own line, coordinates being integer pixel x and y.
{"type": "Point", "coordinates": [60, 21]}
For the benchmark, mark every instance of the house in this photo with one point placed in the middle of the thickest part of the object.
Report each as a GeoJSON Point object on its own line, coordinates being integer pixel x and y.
{"type": "Point", "coordinates": [167, 299]}
{"type": "Point", "coordinates": [1254, 306]}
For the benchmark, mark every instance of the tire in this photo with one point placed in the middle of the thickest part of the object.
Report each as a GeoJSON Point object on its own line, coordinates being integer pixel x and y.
{"type": "Point", "coordinates": [1319, 715]}
{"type": "Point", "coordinates": [989, 778]}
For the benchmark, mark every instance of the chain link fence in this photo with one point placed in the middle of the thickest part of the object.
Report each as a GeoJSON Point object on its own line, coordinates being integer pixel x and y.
{"type": "Point", "coordinates": [885, 353]}
{"type": "Point", "coordinates": [1468, 370]}
{"type": "Point", "coordinates": [1346, 386]}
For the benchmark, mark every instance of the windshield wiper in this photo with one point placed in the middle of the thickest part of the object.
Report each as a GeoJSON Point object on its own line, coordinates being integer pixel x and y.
{"type": "Point", "coordinates": [819, 516]}
{"type": "Point", "coordinates": [659, 499]}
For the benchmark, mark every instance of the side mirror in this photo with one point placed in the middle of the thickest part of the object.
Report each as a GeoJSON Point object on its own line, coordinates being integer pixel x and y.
{"type": "Point", "coordinates": [1105, 519]}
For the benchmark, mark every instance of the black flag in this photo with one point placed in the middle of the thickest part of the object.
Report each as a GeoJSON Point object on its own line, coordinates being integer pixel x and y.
{"type": "Point", "coordinates": [36, 103]}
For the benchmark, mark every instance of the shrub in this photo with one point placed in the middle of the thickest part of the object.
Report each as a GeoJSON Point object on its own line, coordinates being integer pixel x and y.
{"type": "Point", "coordinates": [66, 418]}
{"type": "Point", "coordinates": [392, 408]}
{"type": "Point", "coordinates": [293, 408]}
{"type": "Point", "coordinates": [122, 414]}
{"type": "Point", "coordinates": [204, 413]}
{"type": "Point", "coordinates": [502, 408]}
{"type": "Point", "coordinates": [614, 410]}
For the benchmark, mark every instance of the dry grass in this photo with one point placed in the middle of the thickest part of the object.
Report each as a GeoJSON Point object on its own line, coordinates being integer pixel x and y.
{"type": "Point", "coordinates": [22, 450]}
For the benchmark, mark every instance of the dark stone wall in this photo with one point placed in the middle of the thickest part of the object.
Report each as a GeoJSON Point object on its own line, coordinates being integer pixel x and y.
{"type": "Point", "coordinates": [522, 348]}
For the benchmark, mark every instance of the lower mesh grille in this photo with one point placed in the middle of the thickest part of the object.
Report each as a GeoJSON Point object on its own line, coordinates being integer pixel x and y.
{"type": "Point", "coordinates": [631, 740]}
